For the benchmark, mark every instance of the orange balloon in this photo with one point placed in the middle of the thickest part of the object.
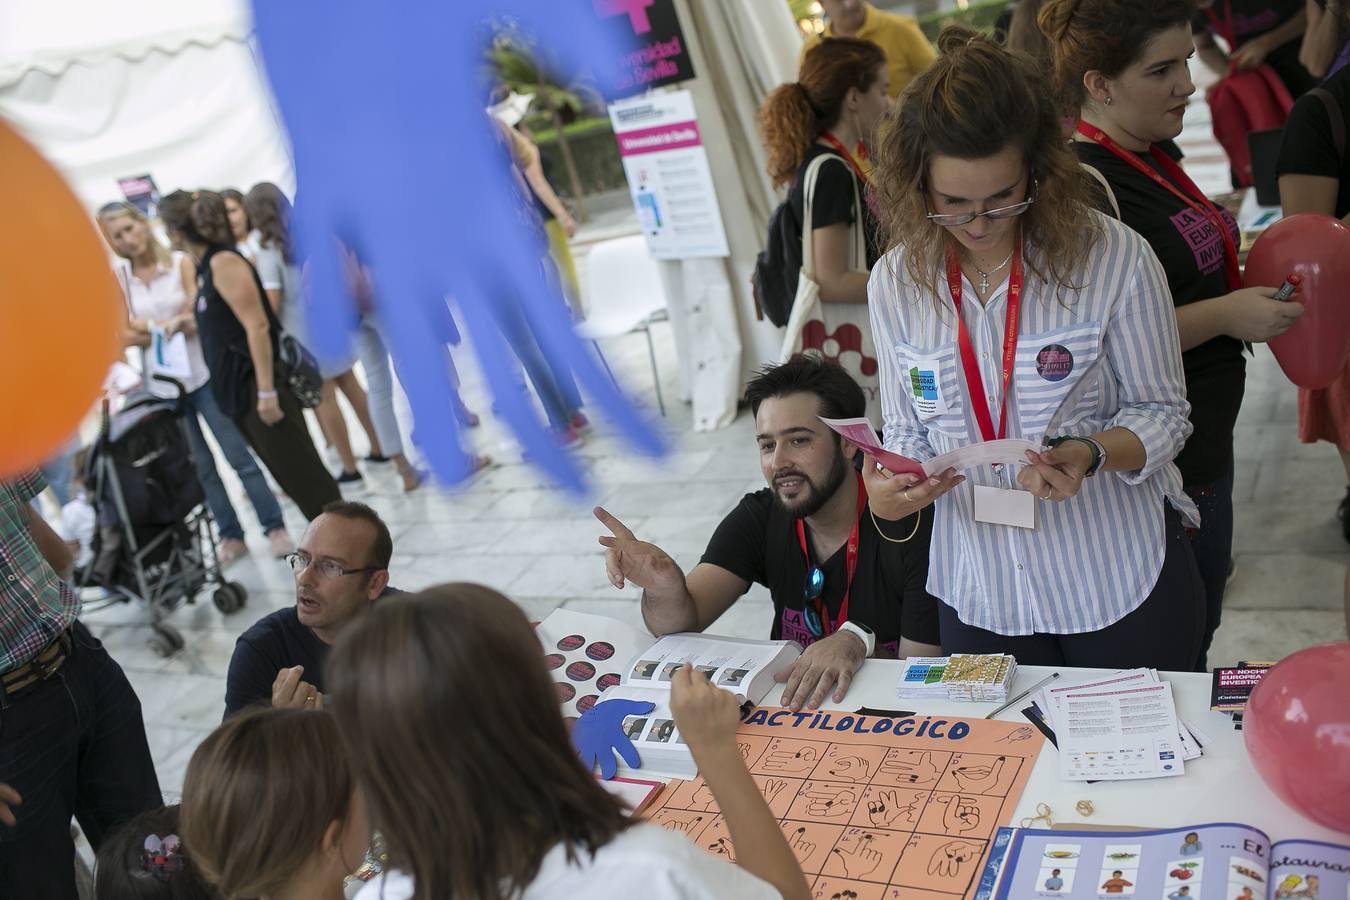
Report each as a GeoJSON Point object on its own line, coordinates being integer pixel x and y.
{"type": "Point", "coordinates": [60, 309]}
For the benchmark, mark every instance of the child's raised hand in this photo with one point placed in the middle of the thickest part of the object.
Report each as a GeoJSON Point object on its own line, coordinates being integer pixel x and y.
{"type": "Point", "coordinates": [706, 716]}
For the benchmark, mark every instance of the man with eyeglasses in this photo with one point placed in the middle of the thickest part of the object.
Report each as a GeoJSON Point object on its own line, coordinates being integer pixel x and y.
{"type": "Point", "coordinates": [341, 568]}
{"type": "Point", "coordinates": [843, 586]}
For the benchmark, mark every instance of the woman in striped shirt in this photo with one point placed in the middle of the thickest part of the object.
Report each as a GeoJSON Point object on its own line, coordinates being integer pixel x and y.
{"type": "Point", "coordinates": [1003, 298]}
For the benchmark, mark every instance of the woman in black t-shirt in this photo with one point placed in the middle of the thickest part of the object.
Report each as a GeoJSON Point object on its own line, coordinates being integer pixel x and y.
{"type": "Point", "coordinates": [1257, 32]}
{"type": "Point", "coordinates": [1314, 172]}
{"type": "Point", "coordinates": [239, 341]}
{"type": "Point", "coordinates": [1122, 66]}
{"type": "Point", "coordinates": [832, 109]}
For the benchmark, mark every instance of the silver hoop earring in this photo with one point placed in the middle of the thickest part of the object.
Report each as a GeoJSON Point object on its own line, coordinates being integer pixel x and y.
{"type": "Point", "coordinates": [1108, 101]}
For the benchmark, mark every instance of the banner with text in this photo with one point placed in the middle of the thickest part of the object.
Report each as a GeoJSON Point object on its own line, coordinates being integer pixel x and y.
{"type": "Point", "coordinates": [668, 176]}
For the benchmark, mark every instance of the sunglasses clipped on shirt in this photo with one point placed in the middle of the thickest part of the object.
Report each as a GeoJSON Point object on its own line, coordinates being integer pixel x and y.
{"type": "Point", "coordinates": [1002, 212]}
{"type": "Point", "coordinates": [812, 609]}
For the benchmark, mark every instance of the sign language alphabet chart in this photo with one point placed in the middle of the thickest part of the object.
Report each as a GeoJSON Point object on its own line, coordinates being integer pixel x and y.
{"type": "Point", "coordinates": [873, 808]}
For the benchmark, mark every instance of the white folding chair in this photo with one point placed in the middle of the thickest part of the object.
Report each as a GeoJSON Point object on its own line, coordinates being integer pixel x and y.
{"type": "Point", "coordinates": [625, 296]}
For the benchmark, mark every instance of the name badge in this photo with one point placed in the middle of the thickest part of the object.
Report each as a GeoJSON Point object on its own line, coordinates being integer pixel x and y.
{"type": "Point", "coordinates": [925, 381]}
{"type": "Point", "coordinates": [1002, 506]}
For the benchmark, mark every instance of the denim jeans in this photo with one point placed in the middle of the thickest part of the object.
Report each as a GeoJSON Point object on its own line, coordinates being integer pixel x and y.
{"type": "Point", "coordinates": [73, 745]}
{"type": "Point", "coordinates": [59, 472]}
{"type": "Point", "coordinates": [1213, 545]}
{"type": "Point", "coordinates": [374, 356]}
{"type": "Point", "coordinates": [556, 388]}
{"type": "Point", "coordinates": [236, 451]}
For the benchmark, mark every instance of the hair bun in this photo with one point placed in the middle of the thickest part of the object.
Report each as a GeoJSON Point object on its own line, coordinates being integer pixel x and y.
{"type": "Point", "coordinates": [955, 38]}
{"type": "Point", "coordinates": [1055, 17]}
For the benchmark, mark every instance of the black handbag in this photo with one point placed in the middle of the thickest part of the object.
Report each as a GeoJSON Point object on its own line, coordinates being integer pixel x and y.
{"type": "Point", "coordinates": [300, 370]}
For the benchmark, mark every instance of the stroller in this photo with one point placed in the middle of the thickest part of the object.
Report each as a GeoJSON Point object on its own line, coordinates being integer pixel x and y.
{"type": "Point", "coordinates": [153, 543]}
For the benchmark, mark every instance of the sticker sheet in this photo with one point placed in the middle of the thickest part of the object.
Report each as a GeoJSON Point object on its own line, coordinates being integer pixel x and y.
{"type": "Point", "coordinates": [585, 655]}
{"type": "Point", "coordinates": [872, 807]}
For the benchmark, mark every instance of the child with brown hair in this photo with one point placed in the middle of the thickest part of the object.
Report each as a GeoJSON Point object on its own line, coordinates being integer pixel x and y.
{"type": "Point", "coordinates": [455, 736]}
{"type": "Point", "coordinates": [145, 859]}
{"type": "Point", "coordinates": [270, 810]}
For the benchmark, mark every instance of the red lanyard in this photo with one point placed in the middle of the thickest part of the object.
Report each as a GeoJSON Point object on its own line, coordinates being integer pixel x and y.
{"type": "Point", "coordinates": [1193, 196]}
{"type": "Point", "coordinates": [848, 157]}
{"type": "Point", "coordinates": [850, 564]}
{"type": "Point", "coordinates": [1227, 33]}
{"type": "Point", "coordinates": [974, 381]}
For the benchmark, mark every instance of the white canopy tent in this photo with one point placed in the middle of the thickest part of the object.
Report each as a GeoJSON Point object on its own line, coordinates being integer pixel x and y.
{"type": "Point", "coordinates": [160, 86]}
{"type": "Point", "coordinates": [174, 89]}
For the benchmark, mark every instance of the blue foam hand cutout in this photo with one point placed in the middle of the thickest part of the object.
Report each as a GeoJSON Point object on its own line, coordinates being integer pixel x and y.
{"type": "Point", "coordinates": [395, 157]}
{"type": "Point", "coordinates": [598, 734]}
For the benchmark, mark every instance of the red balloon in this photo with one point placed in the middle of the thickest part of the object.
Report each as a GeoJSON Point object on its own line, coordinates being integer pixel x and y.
{"type": "Point", "coordinates": [1316, 248]}
{"type": "Point", "coordinates": [1297, 730]}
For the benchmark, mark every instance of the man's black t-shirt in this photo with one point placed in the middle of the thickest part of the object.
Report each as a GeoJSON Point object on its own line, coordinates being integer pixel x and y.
{"type": "Point", "coordinates": [757, 541]}
{"type": "Point", "coordinates": [1309, 146]}
{"type": "Point", "coordinates": [275, 642]}
{"type": "Point", "coordinates": [833, 200]}
{"type": "Point", "coordinates": [1191, 251]}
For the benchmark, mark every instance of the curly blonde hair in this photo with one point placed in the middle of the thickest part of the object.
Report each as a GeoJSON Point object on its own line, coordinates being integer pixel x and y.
{"type": "Point", "coordinates": [973, 101]}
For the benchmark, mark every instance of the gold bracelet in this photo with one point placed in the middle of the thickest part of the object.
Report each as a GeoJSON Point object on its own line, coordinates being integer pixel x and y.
{"type": "Point", "coordinates": [918, 517]}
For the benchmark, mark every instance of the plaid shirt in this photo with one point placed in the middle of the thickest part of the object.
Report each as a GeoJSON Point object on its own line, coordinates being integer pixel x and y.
{"type": "Point", "coordinates": [35, 604]}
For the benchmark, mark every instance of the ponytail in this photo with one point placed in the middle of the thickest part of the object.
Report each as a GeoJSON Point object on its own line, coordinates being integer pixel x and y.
{"type": "Point", "coordinates": [199, 216]}
{"type": "Point", "coordinates": [795, 114]}
{"type": "Point", "coordinates": [789, 127]}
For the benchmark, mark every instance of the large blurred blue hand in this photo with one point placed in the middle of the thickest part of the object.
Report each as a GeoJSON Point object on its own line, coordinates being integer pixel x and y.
{"type": "Point", "coordinates": [599, 733]}
{"type": "Point", "coordinates": [394, 156]}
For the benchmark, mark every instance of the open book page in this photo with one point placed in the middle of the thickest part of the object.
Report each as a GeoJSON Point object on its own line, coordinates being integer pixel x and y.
{"type": "Point", "coordinates": [586, 654]}
{"type": "Point", "coordinates": [1202, 862]}
{"type": "Point", "coordinates": [1307, 870]}
{"type": "Point", "coordinates": [746, 668]}
{"type": "Point", "coordinates": [658, 742]}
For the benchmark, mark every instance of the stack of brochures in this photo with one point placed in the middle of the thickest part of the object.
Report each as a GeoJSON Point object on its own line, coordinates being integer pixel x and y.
{"type": "Point", "coordinates": [984, 678]}
{"type": "Point", "coordinates": [1119, 727]}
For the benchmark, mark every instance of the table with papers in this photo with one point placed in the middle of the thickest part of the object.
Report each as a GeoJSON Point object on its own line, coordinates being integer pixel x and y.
{"type": "Point", "coordinates": [1220, 786]}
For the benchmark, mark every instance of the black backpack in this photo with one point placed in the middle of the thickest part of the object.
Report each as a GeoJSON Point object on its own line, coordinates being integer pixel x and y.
{"type": "Point", "coordinates": [779, 265]}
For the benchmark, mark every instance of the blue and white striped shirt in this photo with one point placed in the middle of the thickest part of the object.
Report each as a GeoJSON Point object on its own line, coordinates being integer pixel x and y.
{"type": "Point", "coordinates": [1094, 558]}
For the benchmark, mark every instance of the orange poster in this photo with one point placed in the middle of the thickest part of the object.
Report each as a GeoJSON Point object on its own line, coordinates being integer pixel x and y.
{"type": "Point", "coordinates": [874, 808]}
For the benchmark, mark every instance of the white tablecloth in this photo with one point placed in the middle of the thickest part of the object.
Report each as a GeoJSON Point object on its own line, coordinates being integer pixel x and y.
{"type": "Point", "coordinates": [1220, 786]}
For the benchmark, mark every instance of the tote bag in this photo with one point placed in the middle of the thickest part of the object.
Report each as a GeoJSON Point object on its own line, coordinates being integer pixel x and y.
{"type": "Point", "coordinates": [839, 332]}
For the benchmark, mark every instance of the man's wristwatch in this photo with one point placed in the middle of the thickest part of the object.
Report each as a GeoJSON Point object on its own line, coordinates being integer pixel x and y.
{"type": "Point", "coordinates": [863, 633]}
{"type": "Point", "coordinates": [1098, 450]}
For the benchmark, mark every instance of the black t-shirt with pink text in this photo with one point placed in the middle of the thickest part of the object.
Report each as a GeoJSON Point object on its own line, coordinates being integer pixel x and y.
{"type": "Point", "coordinates": [757, 541]}
{"type": "Point", "coordinates": [1191, 250]}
